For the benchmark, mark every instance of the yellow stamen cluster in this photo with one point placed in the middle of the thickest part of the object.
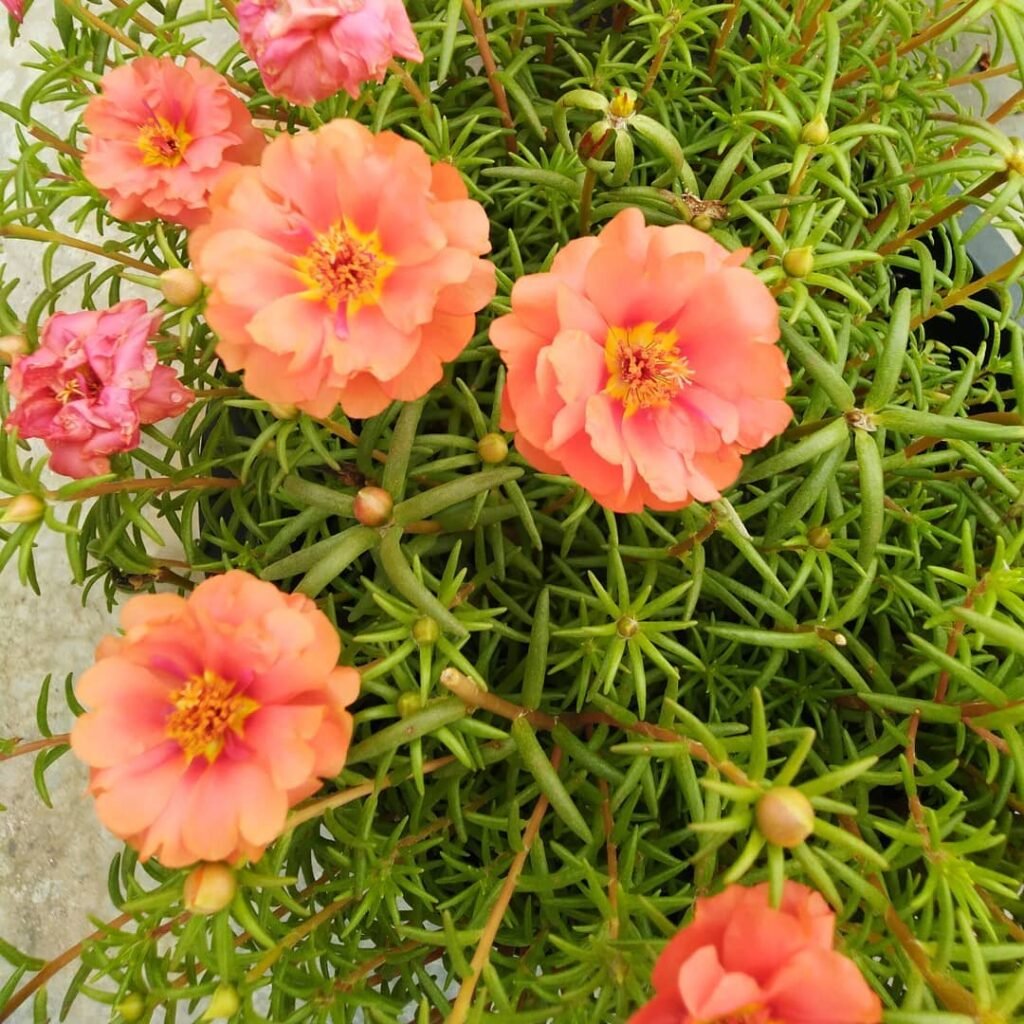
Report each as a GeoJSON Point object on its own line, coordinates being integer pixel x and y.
{"type": "Point", "coordinates": [205, 709]}
{"type": "Point", "coordinates": [343, 267]}
{"type": "Point", "coordinates": [646, 370]}
{"type": "Point", "coordinates": [162, 144]}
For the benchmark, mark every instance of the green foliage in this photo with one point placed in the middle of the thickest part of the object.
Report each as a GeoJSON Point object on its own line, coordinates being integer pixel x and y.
{"type": "Point", "coordinates": [848, 620]}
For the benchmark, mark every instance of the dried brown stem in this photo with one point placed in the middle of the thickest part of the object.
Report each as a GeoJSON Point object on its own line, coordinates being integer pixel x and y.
{"type": "Point", "coordinates": [39, 235]}
{"type": "Point", "coordinates": [727, 25]}
{"type": "Point", "coordinates": [479, 31]}
{"type": "Point", "coordinates": [463, 1001]}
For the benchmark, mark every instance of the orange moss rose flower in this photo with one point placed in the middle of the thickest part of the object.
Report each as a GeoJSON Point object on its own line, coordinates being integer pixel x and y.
{"type": "Point", "coordinates": [344, 269]}
{"type": "Point", "coordinates": [211, 716]}
{"type": "Point", "coordinates": [644, 365]}
{"type": "Point", "coordinates": [161, 136]}
{"type": "Point", "coordinates": [742, 962]}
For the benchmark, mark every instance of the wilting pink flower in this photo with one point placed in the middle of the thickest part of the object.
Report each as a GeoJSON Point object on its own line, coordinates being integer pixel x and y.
{"type": "Point", "coordinates": [161, 136]}
{"type": "Point", "coordinates": [742, 962]}
{"type": "Point", "coordinates": [93, 380]}
{"type": "Point", "coordinates": [307, 50]}
{"type": "Point", "coordinates": [16, 8]}
{"type": "Point", "coordinates": [644, 365]}
{"type": "Point", "coordinates": [344, 268]}
{"type": "Point", "coordinates": [211, 716]}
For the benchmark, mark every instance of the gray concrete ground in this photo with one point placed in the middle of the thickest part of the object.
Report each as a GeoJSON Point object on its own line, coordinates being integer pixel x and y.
{"type": "Point", "coordinates": [53, 862]}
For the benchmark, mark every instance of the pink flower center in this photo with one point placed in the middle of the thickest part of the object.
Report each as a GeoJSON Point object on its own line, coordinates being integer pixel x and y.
{"type": "Point", "coordinates": [342, 267]}
{"type": "Point", "coordinates": [206, 708]}
{"type": "Point", "coordinates": [161, 143]}
{"type": "Point", "coordinates": [645, 369]}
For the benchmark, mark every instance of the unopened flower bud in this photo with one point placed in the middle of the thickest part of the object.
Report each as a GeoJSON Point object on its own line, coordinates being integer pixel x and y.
{"type": "Point", "coordinates": [815, 132]}
{"type": "Point", "coordinates": [819, 537]}
{"type": "Point", "coordinates": [623, 103]}
{"type": "Point", "coordinates": [492, 449]}
{"type": "Point", "coordinates": [627, 627]}
{"type": "Point", "coordinates": [12, 346]}
{"type": "Point", "coordinates": [209, 888]}
{"type": "Point", "coordinates": [425, 631]}
{"type": "Point", "coordinates": [890, 90]}
{"type": "Point", "coordinates": [702, 222]}
{"type": "Point", "coordinates": [131, 1008]}
{"type": "Point", "coordinates": [408, 704]}
{"type": "Point", "coordinates": [180, 286]}
{"type": "Point", "coordinates": [785, 816]}
{"type": "Point", "coordinates": [24, 508]}
{"type": "Point", "coordinates": [224, 1004]}
{"type": "Point", "coordinates": [798, 262]}
{"type": "Point", "coordinates": [283, 412]}
{"type": "Point", "coordinates": [594, 138]}
{"type": "Point", "coordinates": [1015, 161]}
{"type": "Point", "coordinates": [373, 506]}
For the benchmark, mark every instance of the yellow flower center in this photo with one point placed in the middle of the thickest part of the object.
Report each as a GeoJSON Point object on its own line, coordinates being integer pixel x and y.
{"type": "Point", "coordinates": [161, 143]}
{"type": "Point", "coordinates": [206, 708]}
{"type": "Point", "coordinates": [344, 267]}
{"type": "Point", "coordinates": [645, 369]}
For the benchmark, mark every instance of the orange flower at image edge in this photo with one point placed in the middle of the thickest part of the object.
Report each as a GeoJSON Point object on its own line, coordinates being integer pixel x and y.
{"type": "Point", "coordinates": [344, 269]}
{"type": "Point", "coordinates": [643, 365]}
{"type": "Point", "coordinates": [743, 962]}
{"type": "Point", "coordinates": [211, 717]}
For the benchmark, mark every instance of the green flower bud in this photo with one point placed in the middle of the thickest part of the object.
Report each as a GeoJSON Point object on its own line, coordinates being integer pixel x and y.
{"type": "Point", "coordinates": [627, 627]}
{"type": "Point", "coordinates": [425, 631]}
{"type": "Point", "coordinates": [408, 704]}
{"type": "Point", "coordinates": [815, 132]}
{"type": "Point", "coordinates": [492, 449]}
{"type": "Point", "coordinates": [131, 1008]}
{"type": "Point", "coordinates": [785, 817]}
{"type": "Point", "coordinates": [224, 1004]}
{"type": "Point", "coordinates": [819, 537]}
{"type": "Point", "coordinates": [798, 262]}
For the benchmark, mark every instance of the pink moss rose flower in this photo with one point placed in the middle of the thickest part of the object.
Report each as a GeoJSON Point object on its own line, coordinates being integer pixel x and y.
{"type": "Point", "coordinates": [743, 962]}
{"type": "Point", "coordinates": [16, 8]}
{"type": "Point", "coordinates": [643, 365]}
{"type": "Point", "coordinates": [162, 134]}
{"type": "Point", "coordinates": [344, 269]}
{"type": "Point", "coordinates": [308, 50]}
{"type": "Point", "coordinates": [91, 383]}
{"type": "Point", "coordinates": [212, 716]}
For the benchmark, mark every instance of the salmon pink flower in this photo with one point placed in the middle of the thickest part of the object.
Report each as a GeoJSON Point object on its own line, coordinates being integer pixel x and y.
{"type": "Point", "coordinates": [211, 716]}
{"type": "Point", "coordinates": [91, 383]}
{"type": "Point", "coordinates": [308, 50]}
{"type": "Point", "coordinates": [344, 268]}
{"type": "Point", "coordinates": [742, 962]}
{"type": "Point", "coordinates": [161, 136]}
{"type": "Point", "coordinates": [644, 365]}
{"type": "Point", "coordinates": [16, 8]}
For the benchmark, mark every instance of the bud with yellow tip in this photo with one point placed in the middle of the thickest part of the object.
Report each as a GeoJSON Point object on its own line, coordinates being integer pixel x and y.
{"type": "Point", "coordinates": [426, 631]}
{"type": "Point", "coordinates": [784, 816]}
{"type": "Point", "coordinates": [209, 888]}
{"type": "Point", "coordinates": [12, 346]}
{"type": "Point", "coordinates": [373, 506]}
{"type": "Point", "coordinates": [181, 286]}
{"type": "Point", "coordinates": [623, 103]}
{"type": "Point", "coordinates": [24, 508]}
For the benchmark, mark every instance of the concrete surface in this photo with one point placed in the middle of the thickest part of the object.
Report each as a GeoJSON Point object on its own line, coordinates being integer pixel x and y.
{"type": "Point", "coordinates": [53, 863]}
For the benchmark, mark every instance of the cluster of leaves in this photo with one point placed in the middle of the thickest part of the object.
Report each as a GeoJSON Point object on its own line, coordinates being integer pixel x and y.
{"type": "Point", "coordinates": [849, 619]}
